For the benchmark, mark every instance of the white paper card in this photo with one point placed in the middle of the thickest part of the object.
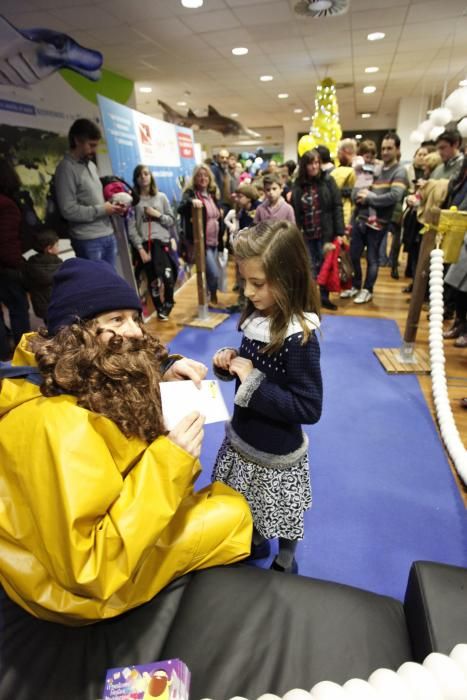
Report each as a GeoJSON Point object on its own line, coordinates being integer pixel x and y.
{"type": "Point", "coordinates": [182, 397]}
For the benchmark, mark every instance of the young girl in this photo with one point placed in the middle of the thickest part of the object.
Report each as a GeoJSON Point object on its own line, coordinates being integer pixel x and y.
{"type": "Point", "coordinates": [149, 232]}
{"type": "Point", "coordinates": [277, 368]}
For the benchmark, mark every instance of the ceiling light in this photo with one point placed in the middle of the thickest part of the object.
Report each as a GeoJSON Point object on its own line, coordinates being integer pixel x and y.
{"type": "Point", "coordinates": [463, 83]}
{"type": "Point", "coordinates": [366, 115]}
{"type": "Point", "coordinates": [306, 119]}
{"type": "Point", "coordinates": [320, 5]}
{"type": "Point", "coordinates": [368, 89]}
{"type": "Point", "coordinates": [283, 95]}
{"type": "Point", "coordinates": [298, 110]}
{"type": "Point", "coordinates": [145, 89]}
{"type": "Point", "coordinates": [240, 51]}
{"type": "Point", "coordinates": [358, 136]}
{"type": "Point", "coordinates": [181, 104]}
{"type": "Point", "coordinates": [376, 36]}
{"type": "Point", "coordinates": [234, 114]}
{"type": "Point", "coordinates": [266, 78]}
{"type": "Point", "coordinates": [192, 4]}
{"type": "Point", "coordinates": [372, 69]}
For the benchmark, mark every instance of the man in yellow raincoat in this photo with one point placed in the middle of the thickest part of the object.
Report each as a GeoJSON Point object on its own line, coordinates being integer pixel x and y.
{"type": "Point", "coordinates": [97, 507]}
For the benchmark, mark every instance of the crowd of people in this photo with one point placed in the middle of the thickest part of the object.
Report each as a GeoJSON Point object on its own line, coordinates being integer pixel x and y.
{"type": "Point", "coordinates": [102, 512]}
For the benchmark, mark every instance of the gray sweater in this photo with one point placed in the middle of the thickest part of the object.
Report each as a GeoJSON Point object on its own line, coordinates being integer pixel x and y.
{"type": "Point", "coordinates": [81, 200]}
{"type": "Point", "coordinates": [140, 224]}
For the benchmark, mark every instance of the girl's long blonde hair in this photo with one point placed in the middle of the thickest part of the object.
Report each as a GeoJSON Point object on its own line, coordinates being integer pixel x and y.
{"type": "Point", "coordinates": [287, 268]}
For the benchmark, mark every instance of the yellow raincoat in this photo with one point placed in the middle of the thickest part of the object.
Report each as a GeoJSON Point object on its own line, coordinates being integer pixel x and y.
{"type": "Point", "coordinates": [92, 523]}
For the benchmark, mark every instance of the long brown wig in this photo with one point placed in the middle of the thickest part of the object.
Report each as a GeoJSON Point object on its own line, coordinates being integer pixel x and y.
{"type": "Point", "coordinates": [286, 265]}
{"type": "Point", "coordinates": [119, 379]}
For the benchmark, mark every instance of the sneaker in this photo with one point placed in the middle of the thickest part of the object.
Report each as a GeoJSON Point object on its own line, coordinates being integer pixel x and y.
{"type": "Point", "coordinates": [363, 297]}
{"type": "Point", "coordinates": [162, 316]}
{"type": "Point", "coordinates": [292, 569]}
{"type": "Point", "coordinates": [349, 293]}
{"type": "Point", "coordinates": [461, 341]}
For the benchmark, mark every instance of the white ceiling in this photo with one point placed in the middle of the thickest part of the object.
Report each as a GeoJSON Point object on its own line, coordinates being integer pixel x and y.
{"type": "Point", "coordinates": [186, 54]}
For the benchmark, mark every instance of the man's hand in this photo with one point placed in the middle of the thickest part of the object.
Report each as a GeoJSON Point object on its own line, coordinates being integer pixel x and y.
{"type": "Point", "coordinates": [362, 195]}
{"type": "Point", "coordinates": [223, 358]}
{"type": "Point", "coordinates": [242, 367]}
{"type": "Point", "coordinates": [188, 433]}
{"type": "Point", "coordinates": [114, 208]}
{"type": "Point", "coordinates": [186, 369]}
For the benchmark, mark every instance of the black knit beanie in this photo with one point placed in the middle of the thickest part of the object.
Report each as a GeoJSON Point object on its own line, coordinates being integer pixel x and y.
{"type": "Point", "coordinates": [83, 289]}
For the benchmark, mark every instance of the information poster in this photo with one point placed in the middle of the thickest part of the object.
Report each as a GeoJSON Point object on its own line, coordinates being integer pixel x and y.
{"type": "Point", "coordinates": [132, 138]}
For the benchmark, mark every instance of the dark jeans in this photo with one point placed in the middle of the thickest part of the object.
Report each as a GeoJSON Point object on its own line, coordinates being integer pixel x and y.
{"type": "Point", "coordinates": [364, 236]}
{"type": "Point", "coordinates": [315, 248]}
{"type": "Point", "coordinates": [104, 248]}
{"type": "Point", "coordinates": [13, 296]}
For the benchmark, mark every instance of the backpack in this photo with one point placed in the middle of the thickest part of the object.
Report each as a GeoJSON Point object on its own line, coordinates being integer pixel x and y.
{"type": "Point", "coordinates": [53, 218]}
{"type": "Point", "coordinates": [113, 183]}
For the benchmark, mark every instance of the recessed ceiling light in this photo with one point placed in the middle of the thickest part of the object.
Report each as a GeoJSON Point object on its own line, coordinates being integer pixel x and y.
{"type": "Point", "coordinates": [283, 95]}
{"type": "Point", "coordinates": [366, 115]}
{"type": "Point", "coordinates": [145, 89]}
{"type": "Point", "coordinates": [266, 78]}
{"type": "Point", "coordinates": [358, 136]}
{"type": "Point", "coordinates": [376, 36]}
{"type": "Point", "coordinates": [463, 83]}
{"type": "Point", "coordinates": [298, 110]}
{"type": "Point", "coordinates": [240, 51]}
{"type": "Point", "coordinates": [192, 4]}
{"type": "Point", "coordinates": [321, 5]}
{"type": "Point", "coordinates": [234, 114]}
{"type": "Point", "coordinates": [306, 119]}
{"type": "Point", "coordinates": [372, 69]}
{"type": "Point", "coordinates": [181, 104]}
{"type": "Point", "coordinates": [368, 89]}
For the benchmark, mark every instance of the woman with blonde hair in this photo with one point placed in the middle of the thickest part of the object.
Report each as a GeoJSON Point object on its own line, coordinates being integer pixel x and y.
{"type": "Point", "coordinates": [202, 193]}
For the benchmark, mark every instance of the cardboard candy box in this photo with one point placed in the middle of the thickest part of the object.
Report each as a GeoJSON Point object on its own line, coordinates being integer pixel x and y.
{"type": "Point", "coordinates": [161, 680]}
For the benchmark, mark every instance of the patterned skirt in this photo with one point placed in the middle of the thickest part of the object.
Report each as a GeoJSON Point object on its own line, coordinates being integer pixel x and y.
{"type": "Point", "coordinates": [278, 498]}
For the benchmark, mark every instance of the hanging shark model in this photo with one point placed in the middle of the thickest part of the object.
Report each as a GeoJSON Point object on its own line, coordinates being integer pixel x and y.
{"type": "Point", "coordinates": [213, 120]}
{"type": "Point", "coordinates": [27, 56]}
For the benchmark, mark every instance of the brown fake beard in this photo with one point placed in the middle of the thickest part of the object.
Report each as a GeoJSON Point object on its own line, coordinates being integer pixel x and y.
{"type": "Point", "coordinates": [119, 379]}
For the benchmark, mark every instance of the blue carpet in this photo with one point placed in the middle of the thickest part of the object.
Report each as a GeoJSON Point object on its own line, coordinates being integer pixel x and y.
{"type": "Point", "coordinates": [383, 492]}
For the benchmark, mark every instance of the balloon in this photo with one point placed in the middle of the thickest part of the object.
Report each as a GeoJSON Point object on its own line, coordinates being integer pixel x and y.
{"type": "Point", "coordinates": [440, 116]}
{"type": "Point", "coordinates": [457, 103]}
{"type": "Point", "coordinates": [306, 143]}
{"type": "Point", "coordinates": [462, 127]}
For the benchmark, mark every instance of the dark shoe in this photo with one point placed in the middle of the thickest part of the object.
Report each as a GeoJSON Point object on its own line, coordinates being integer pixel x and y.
{"type": "Point", "coordinates": [167, 308]}
{"type": "Point", "coordinates": [395, 274]}
{"type": "Point", "coordinates": [260, 551]}
{"type": "Point", "coordinates": [292, 569]}
{"type": "Point", "coordinates": [408, 289]}
{"type": "Point", "coordinates": [448, 315]}
{"type": "Point", "coordinates": [463, 402]}
{"type": "Point", "coordinates": [162, 316]}
{"type": "Point", "coordinates": [453, 332]}
{"type": "Point", "coordinates": [327, 304]}
{"type": "Point", "coordinates": [233, 309]}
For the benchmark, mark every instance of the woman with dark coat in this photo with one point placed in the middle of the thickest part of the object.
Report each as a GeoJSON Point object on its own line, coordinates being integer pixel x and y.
{"type": "Point", "coordinates": [317, 204]}
{"type": "Point", "coordinates": [12, 294]}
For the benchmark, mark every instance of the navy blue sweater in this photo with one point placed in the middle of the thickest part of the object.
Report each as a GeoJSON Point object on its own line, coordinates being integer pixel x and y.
{"type": "Point", "coordinates": [283, 391]}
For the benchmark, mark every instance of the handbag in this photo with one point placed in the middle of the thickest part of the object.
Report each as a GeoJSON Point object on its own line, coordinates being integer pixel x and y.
{"type": "Point", "coordinates": [345, 267]}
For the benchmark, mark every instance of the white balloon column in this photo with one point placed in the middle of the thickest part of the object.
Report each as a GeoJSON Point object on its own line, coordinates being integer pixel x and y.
{"type": "Point", "coordinates": [447, 426]}
{"type": "Point", "coordinates": [440, 677]}
{"type": "Point", "coordinates": [454, 109]}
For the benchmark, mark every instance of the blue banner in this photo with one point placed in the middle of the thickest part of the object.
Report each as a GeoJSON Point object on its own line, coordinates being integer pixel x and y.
{"type": "Point", "coordinates": [134, 138]}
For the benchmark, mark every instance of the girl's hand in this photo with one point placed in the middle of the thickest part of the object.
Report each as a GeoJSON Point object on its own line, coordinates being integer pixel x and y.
{"type": "Point", "coordinates": [242, 367]}
{"type": "Point", "coordinates": [188, 433]}
{"type": "Point", "coordinates": [155, 213]}
{"type": "Point", "coordinates": [144, 255]}
{"type": "Point", "coordinates": [197, 204]}
{"type": "Point", "coordinates": [223, 358]}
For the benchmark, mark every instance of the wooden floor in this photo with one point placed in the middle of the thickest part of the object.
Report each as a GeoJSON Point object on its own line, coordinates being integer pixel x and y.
{"type": "Point", "coordinates": [388, 302]}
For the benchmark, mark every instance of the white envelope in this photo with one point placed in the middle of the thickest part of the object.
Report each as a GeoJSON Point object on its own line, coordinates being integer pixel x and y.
{"type": "Point", "coordinates": [182, 397]}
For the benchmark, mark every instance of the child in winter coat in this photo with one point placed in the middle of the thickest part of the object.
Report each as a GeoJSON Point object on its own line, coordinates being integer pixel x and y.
{"type": "Point", "coordinates": [39, 270]}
